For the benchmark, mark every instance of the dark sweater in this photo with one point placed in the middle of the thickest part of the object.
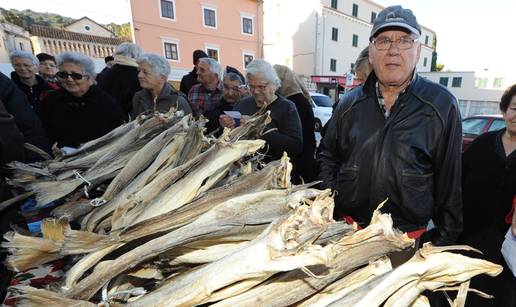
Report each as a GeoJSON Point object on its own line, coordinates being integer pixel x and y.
{"type": "Point", "coordinates": [27, 121]}
{"type": "Point", "coordinates": [488, 187]}
{"type": "Point", "coordinates": [71, 121]}
{"type": "Point", "coordinates": [288, 136]}
{"type": "Point", "coordinates": [11, 139]}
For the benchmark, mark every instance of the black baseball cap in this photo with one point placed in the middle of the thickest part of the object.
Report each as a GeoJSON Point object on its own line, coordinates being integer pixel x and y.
{"type": "Point", "coordinates": [397, 17]}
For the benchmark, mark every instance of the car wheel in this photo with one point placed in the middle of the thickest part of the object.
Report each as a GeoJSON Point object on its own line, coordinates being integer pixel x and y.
{"type": "Point", "coordinates": [318, 125]}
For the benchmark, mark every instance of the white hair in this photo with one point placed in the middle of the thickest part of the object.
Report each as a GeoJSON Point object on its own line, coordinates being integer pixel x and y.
{"type": "Point", "coordinates": [129, 50]}
{"type": "Point", "coordinates": [24, 55]}
{"type": "Point", "coordinates": [215, 67]}
{"type": "Point", "coordinates": [83, 61]}
{"type": "Point", "coordinates": [158, 63]}
{"type": "Point", "coordinates": [264, 68]}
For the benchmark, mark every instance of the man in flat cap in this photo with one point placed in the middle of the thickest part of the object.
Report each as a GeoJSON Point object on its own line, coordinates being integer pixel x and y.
{"type": "Point", "coordinates": [397, 137]}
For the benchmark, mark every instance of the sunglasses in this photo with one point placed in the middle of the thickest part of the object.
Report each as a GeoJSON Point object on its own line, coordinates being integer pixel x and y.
{"type": "Point", "coordinates": [74, 75]}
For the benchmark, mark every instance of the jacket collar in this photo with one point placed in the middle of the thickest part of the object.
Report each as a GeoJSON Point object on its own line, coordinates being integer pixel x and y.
{"type": "Point", "coordinates": [369, 87]}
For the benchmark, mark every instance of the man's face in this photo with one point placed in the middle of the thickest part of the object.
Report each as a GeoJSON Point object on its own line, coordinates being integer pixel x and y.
{"type": "Point", "coordinates": [110, 64]}
{"type": "Point", "coordinates": [510, 116]}
{"type": "Point", "coordinates": [24, 68]}
{"type": "Point", "coordinates": [47, 68]}
{"type": "Point", "coordinates": [232, 91]}
{"type": "Point", "coordinates": [205, 76]}
{"type": "Point", "coordinates": [394, 66]}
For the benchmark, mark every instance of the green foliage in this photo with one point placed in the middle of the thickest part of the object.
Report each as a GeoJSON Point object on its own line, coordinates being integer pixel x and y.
{"type": "Point", "coordinates": [28, 18]}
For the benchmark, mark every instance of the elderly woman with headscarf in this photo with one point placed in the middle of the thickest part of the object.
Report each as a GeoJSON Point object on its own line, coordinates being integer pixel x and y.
{"type": "Point", "coordinates": [80, 111]}
{"type": "Point", "coordinates": [25, 76]}
{"type": "Point", "coordinates": [157, 93]}
{"type": "Point", "coordinates": [294, 90]}
{"type": "Point", "coordinates": [121, 81]}
{"type": "Point", "coordinates": [287, 136]}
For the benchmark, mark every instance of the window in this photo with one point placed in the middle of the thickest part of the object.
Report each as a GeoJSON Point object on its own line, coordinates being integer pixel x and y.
{"type": "Point", "coordinates": [481, 82]}
{"type": "Point", "coordinates": [213, 53]}
{"type": "Point", "coordinates": [373, 16]}
{"type": "Point", "coordinates": [87, 28]}
{"type": "Point", "coordinates": [21, 46]}
{"type": "Point", "coordinates": [355, 10]}
{"type": "Point", "coordinates": [334, 34]}
{"type": "Point", "coordinates": [355, 40]}
{"type": "Point", "coordinates": [210, 17]}
{"type": "Point", "coordinates": [334, 4]}
{"type": "Point", "coordinates": [426, 39]}
{"type": "Point", "coordinates": [248, 57]}
{"type": "Point", "coordinates": [456, 82]}
{"type": "Point", "coordinates": [443, 81]}
{"type": "Point", "coordinates": [247, 25]}
{"type": "Point", "coordinates": [333, 65]}
{"type": "Point", "coordinates": [498, 82]}
{"type": "Point", "coordinates": [171, 51]}
{"type": "Point", "coordinates": [167, 8]}
{"type": "Point", "coordinates": [425, 61]}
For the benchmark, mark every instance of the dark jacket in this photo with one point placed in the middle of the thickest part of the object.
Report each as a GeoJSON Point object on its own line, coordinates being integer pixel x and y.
{"type": "Point", "coordinates": [168, 97]}
{"type": "Point", "coordinates": [27, 121]}
{"type": "Point", "coordinates": [412, 158]}
{"type": "Point", "coordinates": [36, 93]}
{"type": "Point", "coordinates": [11, 139]}
{"type": "Point", "coordinates": [288, 136]}
{"type": "Point", "coordinates": [71, 121]}
{"type": "Point", "coordinates": [306, 167]}
{"type": "Point", "coordinates": [188, 81]}
{"type": "Point", "coordinates": [121, 82]}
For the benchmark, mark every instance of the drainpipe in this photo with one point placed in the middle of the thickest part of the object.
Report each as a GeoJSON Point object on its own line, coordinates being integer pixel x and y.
{"type": "Point", "coordinates": [316, 40]}
{"type": "Point", "coordinates": [259, 46]}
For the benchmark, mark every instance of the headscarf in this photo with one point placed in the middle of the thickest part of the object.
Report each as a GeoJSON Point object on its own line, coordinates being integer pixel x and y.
{"type": "Point", "coordinates": [290, 82]}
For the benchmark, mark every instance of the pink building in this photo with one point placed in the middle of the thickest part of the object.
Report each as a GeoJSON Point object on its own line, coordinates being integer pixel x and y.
{"type": "Point", "coordinates": [230, 31]}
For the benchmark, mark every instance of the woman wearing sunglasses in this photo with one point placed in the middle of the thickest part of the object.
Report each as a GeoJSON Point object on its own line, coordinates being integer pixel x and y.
{"type": "Point", "coordinates": [80, 111]}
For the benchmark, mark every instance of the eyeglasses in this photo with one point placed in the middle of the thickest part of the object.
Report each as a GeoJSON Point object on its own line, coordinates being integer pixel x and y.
{"type": "Point", "coordinates": [260, 87]}
{"type": "Point", "coordinates": [74, 75]}
{"type": "Point", "coordinates": [403, 43]}
{"type": "Point", "coordinates": [52, 65]}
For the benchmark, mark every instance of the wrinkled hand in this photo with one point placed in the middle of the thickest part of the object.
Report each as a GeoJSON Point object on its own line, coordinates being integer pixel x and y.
{"type": "Point", "coordinates": [244, 119]}
{"type": "Point", "coordinates": [226, 121]}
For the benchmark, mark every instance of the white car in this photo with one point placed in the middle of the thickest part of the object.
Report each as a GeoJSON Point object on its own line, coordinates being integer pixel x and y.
{"type": "Point", "coordinates": [322, 106]}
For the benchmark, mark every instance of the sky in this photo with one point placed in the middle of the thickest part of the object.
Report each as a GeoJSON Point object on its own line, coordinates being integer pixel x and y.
{"type": "Point", "coordinates": [472, 35]}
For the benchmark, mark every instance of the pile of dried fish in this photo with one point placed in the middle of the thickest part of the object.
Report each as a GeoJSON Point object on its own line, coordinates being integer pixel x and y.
{"type": "Point", "coordinates": [184, 219]}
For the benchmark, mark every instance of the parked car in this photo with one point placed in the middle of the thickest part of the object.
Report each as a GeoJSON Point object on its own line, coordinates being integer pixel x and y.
{"type": "Point", "coordinates": [322, 106]}
{"type": "Point", "coordinates": [474, 126]}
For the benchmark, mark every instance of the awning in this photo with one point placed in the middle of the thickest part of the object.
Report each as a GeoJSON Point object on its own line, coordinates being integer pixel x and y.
{"type": "Point", "coordinates": [341, 80]}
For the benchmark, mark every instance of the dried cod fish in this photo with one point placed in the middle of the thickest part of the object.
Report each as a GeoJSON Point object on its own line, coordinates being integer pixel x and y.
{"type": "Point", "coordinates": [228, 217]}
{"type": "Point", "coordinates": [284, 246]}
{"type": "Point", "coordinates": [351, 252]}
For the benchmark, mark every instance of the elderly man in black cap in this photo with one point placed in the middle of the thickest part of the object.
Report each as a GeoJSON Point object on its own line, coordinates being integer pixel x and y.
{"type": "Point", "coordinates": [397, 137]}
{"type": "Point", "coordinates": [190, 79]}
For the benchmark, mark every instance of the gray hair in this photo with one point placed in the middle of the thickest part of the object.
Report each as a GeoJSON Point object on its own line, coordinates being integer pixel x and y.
{"type": "Point", "coordinates": [129, 50]}
{"type": "Point", "coordinates": [262, 67]}
{"type": "Point", "coordinates": [24, 55]}
{"type": "Point", "coordinates": [87, 65]}
{"type": "Point", "coordinates": [159, 64]}
{"type": "Point", "coordinates": [215, 67]}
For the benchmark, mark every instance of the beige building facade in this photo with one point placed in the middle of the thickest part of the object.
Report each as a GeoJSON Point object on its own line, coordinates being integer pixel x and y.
{"type": "Point", "coordinates": [12, 37]}
{"type": "Point", "coordinates": [55, 41]}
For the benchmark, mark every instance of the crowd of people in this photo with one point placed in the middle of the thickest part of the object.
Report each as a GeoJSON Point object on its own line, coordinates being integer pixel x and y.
{"type": "Point", "coordinates": [395, 138]}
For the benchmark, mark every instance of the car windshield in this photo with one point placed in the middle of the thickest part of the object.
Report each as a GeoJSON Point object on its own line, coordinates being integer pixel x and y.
{"type": "Point", "coordinates": [322, 101]}
{"type": "Point", "coordinates": [497, 124]}
{"type": "Point", "coordinates": [473, 126]}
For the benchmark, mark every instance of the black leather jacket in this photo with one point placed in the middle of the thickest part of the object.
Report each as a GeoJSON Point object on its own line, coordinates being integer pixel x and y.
{"type": "Point", "coordinates": [413, 158]}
